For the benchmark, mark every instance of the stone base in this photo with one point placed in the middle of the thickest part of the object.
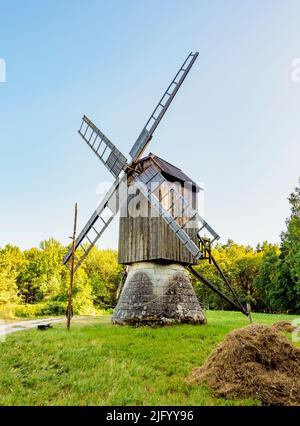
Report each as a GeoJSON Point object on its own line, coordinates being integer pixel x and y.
{"type": "Point", "coordinates": [158, 294]}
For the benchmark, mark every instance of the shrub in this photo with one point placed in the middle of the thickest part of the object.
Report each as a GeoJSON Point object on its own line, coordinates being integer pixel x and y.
{"type": "Point", "coordinates": [7, 311]}
{"type": "Point", "coordinates": [53, 308]}
{"type": "Point", "coordinates": [28, 310]}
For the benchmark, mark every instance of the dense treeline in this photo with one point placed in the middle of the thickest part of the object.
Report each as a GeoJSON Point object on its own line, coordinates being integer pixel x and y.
{"type": "Point", "coordinates": [35, 282]}
{"type": "Point", "coordinates": [267, 276]}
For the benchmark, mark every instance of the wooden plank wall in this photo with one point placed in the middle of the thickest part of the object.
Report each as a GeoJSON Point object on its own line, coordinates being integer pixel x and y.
{"type": "Point", "coordinates": [150, 238]}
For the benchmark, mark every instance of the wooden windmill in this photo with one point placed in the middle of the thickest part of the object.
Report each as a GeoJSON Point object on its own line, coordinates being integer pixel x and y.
{"type": "Point", "coordinates": [161, 232]}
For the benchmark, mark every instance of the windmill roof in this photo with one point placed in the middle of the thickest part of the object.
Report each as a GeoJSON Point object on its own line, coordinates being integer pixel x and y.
{"type": "Point", "coordinates": [170, 170]}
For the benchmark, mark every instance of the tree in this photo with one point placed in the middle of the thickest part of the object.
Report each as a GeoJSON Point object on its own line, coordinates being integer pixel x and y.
{"type": "Point", "coordinates": [104, 272]}
{"type": "Point", "coordinates": [279, 276]}
{"type": "Point", "coordinates": [241, 265]}
{"type": "Point", "coordinates": [11, 263]}
{"type": "Point", "coordinates": [266, 281]}
{"type": "Point", "coordinates": [52, 266]}
{"type": "Point", "coordinates": [289, 271]}
{"type": "Point", "coordinates": [41, 277]}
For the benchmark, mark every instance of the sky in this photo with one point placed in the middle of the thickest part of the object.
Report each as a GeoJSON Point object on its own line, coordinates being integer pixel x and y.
{"type": "Point", "coordinates": [234, 125]}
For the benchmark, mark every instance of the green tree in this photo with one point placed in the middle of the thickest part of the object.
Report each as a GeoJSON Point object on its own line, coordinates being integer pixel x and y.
{"type": "Point", "coordinates": [103, 270]}
{"type": "Point", "coordinates": [266, 281]}
{"type": "Point", "coordinates": [289, 268]}
{"type": "Point", "coordinates": [11, 263]}
{"type": "Point", "coordinates": [279, 276]}
{"type": "Point", "coordinates": [241, 265]}
{"type": "Point", "coordinates": [41, 277]}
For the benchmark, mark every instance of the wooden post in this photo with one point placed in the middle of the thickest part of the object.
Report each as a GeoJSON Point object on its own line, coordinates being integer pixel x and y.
{"type": "Point", "coordinates": [249, 312]}
{"type": "Point", "coordinates": [70, 292]}
{"type": "Point", "coordinates": [248, 305]}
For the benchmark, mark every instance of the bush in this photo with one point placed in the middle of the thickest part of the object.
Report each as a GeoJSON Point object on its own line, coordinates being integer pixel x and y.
{"type": "Point", "coordinates": [39, 309]}
{"type": "Point", "coordinates": [107, 311]}
{"type": "Point", "coordinates": [7, 311]}
{"type": "Point", "coordinates": [53, 308]}
{"type": "Point", "coordinates": [28, 310]}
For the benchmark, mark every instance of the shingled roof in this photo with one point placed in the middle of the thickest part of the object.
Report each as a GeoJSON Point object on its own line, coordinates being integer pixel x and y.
{"type": "Point", "coordinates": [170, 170]}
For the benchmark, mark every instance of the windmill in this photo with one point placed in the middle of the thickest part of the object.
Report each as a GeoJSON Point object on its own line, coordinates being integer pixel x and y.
{"type": "Point", "coordinates": [167, 237]}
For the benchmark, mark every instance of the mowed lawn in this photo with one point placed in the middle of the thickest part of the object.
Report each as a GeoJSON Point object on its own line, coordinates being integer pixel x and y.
{"type": "Point", "coordinates": [97, 363]}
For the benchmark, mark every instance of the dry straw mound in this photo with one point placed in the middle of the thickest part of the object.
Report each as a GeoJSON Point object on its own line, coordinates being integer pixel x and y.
{"type": "Point", "coordinates": [255, 361]}
{"type": "Point", "coordinates": [283, 326]}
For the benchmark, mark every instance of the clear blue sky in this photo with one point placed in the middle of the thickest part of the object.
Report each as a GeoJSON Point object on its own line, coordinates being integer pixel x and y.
{"type": "Point", "coordinates": [234, 125]}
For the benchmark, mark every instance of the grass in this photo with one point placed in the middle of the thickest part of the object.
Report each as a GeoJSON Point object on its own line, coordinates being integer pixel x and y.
{"type": "Point", "coordinates": [101, 364]}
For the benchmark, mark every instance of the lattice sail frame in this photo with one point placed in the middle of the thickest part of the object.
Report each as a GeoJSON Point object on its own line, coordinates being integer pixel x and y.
{"type": "Point", "coordinates": [150, 183]}
{"type": "Point", "coordinates": [105, 150]}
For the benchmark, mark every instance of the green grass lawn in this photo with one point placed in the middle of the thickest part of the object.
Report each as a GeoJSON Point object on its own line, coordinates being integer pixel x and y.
{"type": "Point", "coordinates": [101, 364]}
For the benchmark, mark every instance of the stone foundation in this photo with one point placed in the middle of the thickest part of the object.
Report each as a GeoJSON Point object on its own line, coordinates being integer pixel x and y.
{"type": "Point", "coordinates": [158, 294]}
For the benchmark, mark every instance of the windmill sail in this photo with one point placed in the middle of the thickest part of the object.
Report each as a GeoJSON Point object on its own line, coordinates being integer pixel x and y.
{"type": "Point", "coordinates": [105, 150]}
{"type": "Point", "coordinates": [99, 221]}
{"type": "Point", "coordinates": [149, 183]}
{"type": "Point", "coordinates": [161, 108]}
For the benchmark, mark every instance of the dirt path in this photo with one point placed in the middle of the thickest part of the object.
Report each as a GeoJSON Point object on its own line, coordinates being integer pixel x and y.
{"type": "Point", "coordinates": [12, 327]}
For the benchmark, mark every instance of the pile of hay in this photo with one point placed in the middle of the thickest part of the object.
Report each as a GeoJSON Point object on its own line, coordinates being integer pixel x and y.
{"type": "Point", "coordinates": [284, 326]}
{"type": "Point", "coordinates": [256, 361]}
